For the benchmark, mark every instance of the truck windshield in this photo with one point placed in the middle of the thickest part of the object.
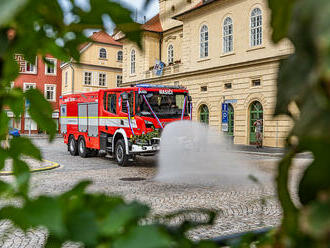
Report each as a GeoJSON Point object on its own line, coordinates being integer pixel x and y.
{"type": "Point", "coordinates": [165, 106]}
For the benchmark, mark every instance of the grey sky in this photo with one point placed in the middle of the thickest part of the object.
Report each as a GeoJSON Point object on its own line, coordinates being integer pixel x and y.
{"type": "Point", "coordinates": [137, 6]}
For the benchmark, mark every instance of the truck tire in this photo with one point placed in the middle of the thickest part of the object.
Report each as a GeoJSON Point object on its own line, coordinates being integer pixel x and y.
{"type": "Point", "coordinates": [72, 146]}
{"type": "Point", "coordinates": [82, 149]}
{"type": "Point", "coordinates": [120, 153]}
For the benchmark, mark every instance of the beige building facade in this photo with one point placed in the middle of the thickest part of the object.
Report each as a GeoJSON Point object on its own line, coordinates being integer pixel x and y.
{"type": "Point", "coordinates": [221, 51]}
{"type": "Point", "coordinates": [100, 66]}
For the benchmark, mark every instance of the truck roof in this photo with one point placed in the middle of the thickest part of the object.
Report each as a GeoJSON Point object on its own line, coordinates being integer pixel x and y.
{"type": "Point", "coordinates": [132, 88]}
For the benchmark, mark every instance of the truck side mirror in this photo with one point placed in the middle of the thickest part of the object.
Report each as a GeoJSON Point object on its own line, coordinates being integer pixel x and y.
{"type": "Point", "coordinates": [124, 96]}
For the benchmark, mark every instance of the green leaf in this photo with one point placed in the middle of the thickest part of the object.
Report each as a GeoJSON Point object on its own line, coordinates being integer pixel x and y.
{"type": "Point", "coordinates": [82, 227]}
{"type": "Point", "coordinates": [41, 110]}
{"type": "Point", "coordinates": [22, 145]}
{"type": "Point", "coordinates": [4, 120]}
{"type": "Point", "coordinates": [14, 99]}
{"type": "Point", "coordinates": [9, 8]}
{"type": "Point", "coordinates": [22, 175]}
{"type": "Point", "coordinates": [316, 177]}
{"type": "Point", "coordinates": [317, 218]}
{"type": "Point", "coordinates": [121, 216]}
{"type": "Point", "coordinates": [290, 212]}
{"type": "Point", "coordinates": [280, 17]}
{"type": "Point", "coordinates": [47, 212]}
{"type": "Point", "coordinates": [144, 237]}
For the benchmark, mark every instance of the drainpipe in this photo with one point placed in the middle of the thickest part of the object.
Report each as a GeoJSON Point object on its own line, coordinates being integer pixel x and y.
{"type": "Point", "coordinates": [160, 47]}
{"type": "Point", "coordinates": [72, 77]}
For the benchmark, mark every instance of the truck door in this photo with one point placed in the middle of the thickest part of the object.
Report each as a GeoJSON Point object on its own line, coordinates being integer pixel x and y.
{"type": "Point", "coordinates": [63, 119]}
{"type": "Point", "coordinates": [82, 117]}
{"type": "Point", "coordinates": [93, 120]}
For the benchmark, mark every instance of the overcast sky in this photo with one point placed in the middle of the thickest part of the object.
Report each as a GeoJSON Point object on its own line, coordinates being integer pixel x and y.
{"type": "Point", "coordinates": [137, 6]}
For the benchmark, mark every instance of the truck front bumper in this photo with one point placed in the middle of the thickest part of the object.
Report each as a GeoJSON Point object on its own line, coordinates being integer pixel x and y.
{"type": "Point", "coordinates": [141, 149]}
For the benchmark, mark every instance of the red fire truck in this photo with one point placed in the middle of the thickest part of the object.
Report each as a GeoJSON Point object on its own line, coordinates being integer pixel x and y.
{"type": "Point", "coordinates": [122, 122]}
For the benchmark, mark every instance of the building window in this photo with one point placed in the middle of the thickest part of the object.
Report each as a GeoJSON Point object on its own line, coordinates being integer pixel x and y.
{"type": "Point", "coordinates": [204, 42]}
{"type": "Point", "coordinates": [119, 80]}
{"type": "Point", "coordinates": [50, 92]}
{"type": "Point", "coordinates": [170, 54]}
{"type": "Point", "coordinates": [227, 35]}
{"type": "Point", "coordinates": [120, 56]}
{"type": "Point", "coordinates": [256, 82]}
{"type": "Point", "coordinates": [256, 27]}
{"type": "Point", "coordinates": [103, 53]}
{"type": "Point", "coordinates": [102, 79]}
{"type": "Point", "coordinates": [87, 78]}
{"type": "Point", "coordinates": [132, 61]}
{"type": "Point", "coordinates": [27, 86]}
{"type": "Point", "coordinates": [204, 114]}
{"type": "Point", "coordinates": [66, 79]}
{"type": "Point", "coordinates": [228, 86]}
{"type": "Point", "coordinates": [50, 69]}
{"type": "Point", "coordinates": [203, 88]}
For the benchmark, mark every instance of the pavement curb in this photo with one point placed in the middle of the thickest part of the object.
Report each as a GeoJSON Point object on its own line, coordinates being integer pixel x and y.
{"type": "Point", "coordinates": [53, 166]}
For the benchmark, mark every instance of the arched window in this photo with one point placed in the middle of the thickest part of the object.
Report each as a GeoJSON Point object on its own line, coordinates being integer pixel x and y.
{"type": "Point", "coordinates": [170, 54]}
{"type": "Point", "coordinates": [256, 27]}
{"type": "Point", "coordinates": [204, 42]}
{"type": "Point", "coordinates": [103, 53]}
{"type": "Point", "coordinates": [204, 114]}
{"type": "Point", "coordinates": [256, 113]}
{"type": "Point", "coordinates": [120, 56]}
{"type": "Point", "coordinates": [133, 61]}
{"type": "Point", "coordinates": [227, 35]}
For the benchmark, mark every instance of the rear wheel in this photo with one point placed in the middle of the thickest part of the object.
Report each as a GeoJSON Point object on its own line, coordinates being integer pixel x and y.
{"type": "Point", "coordinates": [120, 153]}
{"type": "Point", "coordinates": [72, 145]}
{"type": "Point", "coordinates": [82, 149]}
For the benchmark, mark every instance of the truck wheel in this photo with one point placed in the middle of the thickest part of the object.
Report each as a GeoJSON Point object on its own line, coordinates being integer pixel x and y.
{"type": "Point", "coordinates": [72, 145]}
{"type": "Point", "coordinates": [120, 153]}
{"type": "Point", "coordinates": [82, 149]}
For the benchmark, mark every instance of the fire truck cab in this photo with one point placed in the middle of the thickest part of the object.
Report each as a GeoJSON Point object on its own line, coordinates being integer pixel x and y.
{"type": "Point", "coordinates": [122, 122]}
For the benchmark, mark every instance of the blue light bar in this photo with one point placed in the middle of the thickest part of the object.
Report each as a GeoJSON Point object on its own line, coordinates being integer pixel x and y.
{"type": "Point", "coordinates": [158, 86]}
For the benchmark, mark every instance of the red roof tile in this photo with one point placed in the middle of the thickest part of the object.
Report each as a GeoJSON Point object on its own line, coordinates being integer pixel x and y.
{"type": "Point", "coordinates": [102, 37]}
{"type": "Point", "coordinates": [153, 25]}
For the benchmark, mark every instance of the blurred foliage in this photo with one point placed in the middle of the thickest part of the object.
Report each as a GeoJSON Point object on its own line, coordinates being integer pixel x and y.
{"type": "Point", "coordinates": [304, 82]}
{"type": "Point", "coordinates": [44, 27]}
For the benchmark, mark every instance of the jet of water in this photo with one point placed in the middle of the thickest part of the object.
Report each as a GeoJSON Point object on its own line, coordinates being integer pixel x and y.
{"type": "Point", "coordinates": [193, 153]}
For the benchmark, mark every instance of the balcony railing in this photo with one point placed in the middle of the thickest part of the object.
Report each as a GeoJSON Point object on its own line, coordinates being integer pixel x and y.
{"type": "Point", "coordinates": [167, 70]}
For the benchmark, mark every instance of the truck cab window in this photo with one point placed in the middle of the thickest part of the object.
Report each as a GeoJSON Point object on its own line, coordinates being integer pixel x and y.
{"type": "Point", "coordinates": [112, 103]}
{"type": "Point", "coordinates": [131, 104]}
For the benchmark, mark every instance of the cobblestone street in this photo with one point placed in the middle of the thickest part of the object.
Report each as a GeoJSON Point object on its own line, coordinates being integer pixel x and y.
{"type": "Point", "coordinates": [238, 205]}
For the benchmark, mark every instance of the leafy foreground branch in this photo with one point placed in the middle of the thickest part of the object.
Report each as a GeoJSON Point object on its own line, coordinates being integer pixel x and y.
{"type": "Point", "coordinates": [41, 27]}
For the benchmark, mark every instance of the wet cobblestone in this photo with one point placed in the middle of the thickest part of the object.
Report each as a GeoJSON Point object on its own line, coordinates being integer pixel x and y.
{"type": "Point", "coordinates": [239, 206]}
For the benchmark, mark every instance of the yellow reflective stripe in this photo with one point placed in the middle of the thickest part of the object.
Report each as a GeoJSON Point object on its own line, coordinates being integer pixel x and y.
{"type": "Point", "coordinates": [91, 117]}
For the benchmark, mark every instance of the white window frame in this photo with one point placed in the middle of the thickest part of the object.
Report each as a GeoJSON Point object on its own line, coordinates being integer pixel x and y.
{"type": "Point", "coordinates": [121, 80]}
{"type": "Point", "coordinates": [84, 78]}
{"type": "Point", "coordinates": [106, 55]}
{"type": "Point", "coordinates": [133, 61]}
{"type": "Point", "coordinates": [228, 37]}
{"type": "Point", "coordinates": [170, 54]}
{"type": "Point", "coordinates": [26, 86]}
{"type": "Point", "coordinates": [105, 79]}
{"type": "Point", "coordinates": [54, 92]}
{"type": "Point", "coordinates": [55, 67]}
{"type": "Point", "coordinates": [118, 59]}
{"type": "Point", "coordinates": [35, 66]}
{"type": "Point", "coordinates": [204, 41]}
{"type": "Point", "coordinates": [256, 27]}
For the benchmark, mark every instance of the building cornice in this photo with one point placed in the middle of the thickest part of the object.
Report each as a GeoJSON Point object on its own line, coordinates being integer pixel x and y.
{"type": "Point", "coordinates": [211, 70]}
{"type": "Point", "coordinates": [97, 66]}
